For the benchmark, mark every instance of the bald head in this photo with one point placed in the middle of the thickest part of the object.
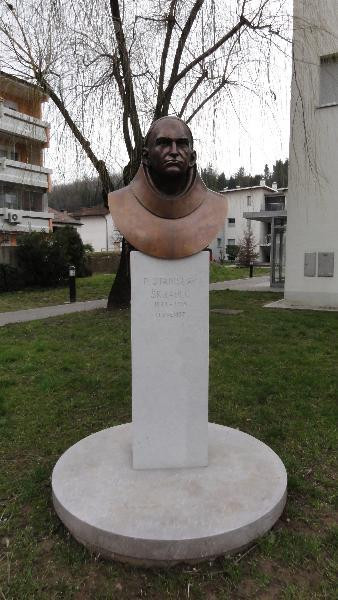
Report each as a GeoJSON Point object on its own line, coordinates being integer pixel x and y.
{"type": "Point", "coordinates": [168, 154]}
{"type": "Point", "coordinates": [169, 122]}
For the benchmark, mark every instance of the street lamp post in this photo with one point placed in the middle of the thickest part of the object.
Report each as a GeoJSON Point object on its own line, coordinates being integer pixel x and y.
{"type": "Point", "coordinates": [72, 284]}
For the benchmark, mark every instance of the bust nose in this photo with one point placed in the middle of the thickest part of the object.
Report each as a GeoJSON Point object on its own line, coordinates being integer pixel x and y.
{"type": "Point", "coordinates": [173, 149]}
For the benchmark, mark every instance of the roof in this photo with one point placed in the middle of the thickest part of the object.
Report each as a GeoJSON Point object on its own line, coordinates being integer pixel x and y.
{"type": "Point", "coordinates": [63, 217]}
{"type": "Point", "coordinates": [252, 187]}
{"type": "Point", "coordinates": [18, 82]}
{"type": "Point", "coordinates": [90, 211]}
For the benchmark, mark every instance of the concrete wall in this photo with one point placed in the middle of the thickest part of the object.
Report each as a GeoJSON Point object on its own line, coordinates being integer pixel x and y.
{"type": "Point", "coordinates": [104, 263]}
{"type": "Point", "coordinates": [313, 171]}
{"type": "Point", "coordinates": [99, 231]}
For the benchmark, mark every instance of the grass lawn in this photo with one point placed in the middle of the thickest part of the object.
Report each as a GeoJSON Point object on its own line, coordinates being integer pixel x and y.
{"type": "Point", "coordinates": [98, 286]}
{"type": "Point", "coordinates": [87, 288]}
{"type": "Point", "coordinates": [220, 272]}
{"type": "Point", "coordinates": [273, 374]}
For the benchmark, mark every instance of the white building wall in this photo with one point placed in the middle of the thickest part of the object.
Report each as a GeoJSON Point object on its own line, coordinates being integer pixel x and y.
{"type": "Point", "coordinates": [313, 171]}
{"type": "Point", "coordinates": [99, 231]}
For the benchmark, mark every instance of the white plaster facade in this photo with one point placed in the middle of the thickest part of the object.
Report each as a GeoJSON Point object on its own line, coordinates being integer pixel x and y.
{"type": "Point", "coordinates": [98, 229]}
{"type": "Point", "coordinates": [240, 201]}
{"type": "Point", "coordinates": [312, 236]}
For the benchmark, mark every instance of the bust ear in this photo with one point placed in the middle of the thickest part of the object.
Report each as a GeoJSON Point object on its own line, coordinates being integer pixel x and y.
{"type": "Point", "coordinates": [145, 155]}
{"type": "Point", "coordinates": [192, 161]}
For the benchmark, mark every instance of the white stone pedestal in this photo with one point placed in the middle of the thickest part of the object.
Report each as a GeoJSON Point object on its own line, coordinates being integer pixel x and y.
{"type": "Point", "coordinates": [170, 360]}
{"type": "Point", "coordinates": [164, 516]}
{"type": "Point", "coordinates": [114, 491]}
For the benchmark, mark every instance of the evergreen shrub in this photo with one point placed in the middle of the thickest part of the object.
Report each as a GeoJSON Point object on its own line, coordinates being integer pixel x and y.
{"type": "Point", "coordinates": [11, 278]}
{"type": "Point", "coordinates": [232, 252]}
{"type": "Point", "coordinates": [44, 258]}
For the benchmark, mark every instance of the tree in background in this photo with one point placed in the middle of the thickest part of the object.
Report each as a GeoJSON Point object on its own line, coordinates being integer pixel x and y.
{"type": "Point", "coordinates": [144, 62]}
{"type": "Point", "coordinates": [213, 180]}
{"type": "Point", "coordinates": [80, 193]}
{"type": "Point", "coordinates": [44, 258]}
{"type": "Point", "coordinates": [74, 252]}
{"type": "Point", "coordinates": [267, 175]}
{"type": "Point", "coordinates": [247, 253]}
{"type": "Point", "coordinates": [280, 173]}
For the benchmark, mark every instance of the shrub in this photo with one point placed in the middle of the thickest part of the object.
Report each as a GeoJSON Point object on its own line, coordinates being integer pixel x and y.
{"type": "Point", "coordinates": [41, 259]}
{"type": "Point", "coordinates": [73, 249]}
{"type": "Point", "coordinates": [44, 258]}
{"type": "Point", "coordinates": [232, 252]}
{"type": "Point", "coordinates": [10, 278]}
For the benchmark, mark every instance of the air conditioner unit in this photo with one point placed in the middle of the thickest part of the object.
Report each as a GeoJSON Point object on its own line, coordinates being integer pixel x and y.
{"type": "Point", "coordinates": [13, 217]}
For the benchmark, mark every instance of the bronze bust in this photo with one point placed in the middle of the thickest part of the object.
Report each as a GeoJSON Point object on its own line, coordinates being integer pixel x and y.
{"type": "Point", "coordinates": [166, 211]}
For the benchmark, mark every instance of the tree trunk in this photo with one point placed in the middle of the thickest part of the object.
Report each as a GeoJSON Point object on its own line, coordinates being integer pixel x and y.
{"type": "Point", "coordinates": [119, 295]}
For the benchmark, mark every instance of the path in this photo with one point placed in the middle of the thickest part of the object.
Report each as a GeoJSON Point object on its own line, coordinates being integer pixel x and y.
{"type": "Point", "coordinates": [34, 314]}
{"type": "Point", "coordinates": [255, 284]}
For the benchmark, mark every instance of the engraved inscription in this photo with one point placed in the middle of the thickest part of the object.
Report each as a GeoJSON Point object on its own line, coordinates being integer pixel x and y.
{"type": "Point", "coordinates": [170, 296]}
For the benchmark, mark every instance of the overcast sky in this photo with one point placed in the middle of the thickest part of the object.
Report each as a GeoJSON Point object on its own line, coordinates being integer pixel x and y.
{"type": "Point", "coordinates": [245, 130]}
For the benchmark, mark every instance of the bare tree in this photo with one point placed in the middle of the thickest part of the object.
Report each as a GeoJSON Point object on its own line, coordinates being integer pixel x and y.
{"type": "Point", "coordinates": [141, 61]}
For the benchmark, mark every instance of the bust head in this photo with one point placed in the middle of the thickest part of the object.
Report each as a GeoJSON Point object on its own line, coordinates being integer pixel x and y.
{"type": "Point", "coordinates": [166, 211]}
{"type": "Point", "coordinates": [168, 155]}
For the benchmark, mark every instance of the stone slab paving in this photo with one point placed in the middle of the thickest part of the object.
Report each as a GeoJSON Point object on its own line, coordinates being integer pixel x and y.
{"type": "Point", "coordinates": [285, 304]}
{"type": "Point", "coordinates": [34, 314]}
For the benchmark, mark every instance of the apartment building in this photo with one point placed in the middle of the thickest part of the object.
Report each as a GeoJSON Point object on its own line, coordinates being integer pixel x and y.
{"type": "Point", "coordinates": [255, 208]}
{"type": "Point", "coordinates": [24, 181]}
{"type": "Point", "coordinates": [312, 240]}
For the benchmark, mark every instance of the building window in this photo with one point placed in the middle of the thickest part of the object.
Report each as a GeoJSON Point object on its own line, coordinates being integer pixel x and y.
{"type": "Point", "coordinates": [219, 242]}
{"type": "Point", "coordinates": [8, 153]}
{"type": "Point", "coordinates": [11, 104]}
{"type": "Point", "coordinates": [328, 81]}
{"type": "Point", "coordinates": [231, 242]}
{"type": "Point", "coordinates": [231, 222]}
{"type": "Point", "coordinates": [248, 201]}
{"type": "Point", "coordinates": [9, 201]}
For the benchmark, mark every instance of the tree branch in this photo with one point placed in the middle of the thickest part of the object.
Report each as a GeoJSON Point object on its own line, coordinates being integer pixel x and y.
{"type": "Point", "coordinates": [119, 81]}
{"type": "Point", "coordinates": [207, 98]}
{"type": "Point", "coordinates": [242, 22]}
{"type": "Point", "coordinates": [192, 91]}
{"type": "Point", "coordinates": [100, 166]}
{"type": "Point", "coordinates": [170, 27]}
{"type": "Point", "coordinates": [163, 103]}
{"type": "Point", "coordinates": [130, 103]}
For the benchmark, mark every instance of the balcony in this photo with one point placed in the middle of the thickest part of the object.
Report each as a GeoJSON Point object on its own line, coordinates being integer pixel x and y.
{"type": "Point", "coordinates": [21, 125]}
{"type": "Point", "coordinates": [12, 171]}
{"type": "Point", "coordinates": [275, 206]}
{"type": "Point", "coordinates": [20, 221]}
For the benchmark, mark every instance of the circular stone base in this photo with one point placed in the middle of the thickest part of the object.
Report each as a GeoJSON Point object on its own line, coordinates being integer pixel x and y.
{"type": "Point", "coordinates": [164, 516]}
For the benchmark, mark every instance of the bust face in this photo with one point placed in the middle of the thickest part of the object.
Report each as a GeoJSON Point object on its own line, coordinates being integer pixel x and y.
{"type": "Point", "coordinates": [169, 153]}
